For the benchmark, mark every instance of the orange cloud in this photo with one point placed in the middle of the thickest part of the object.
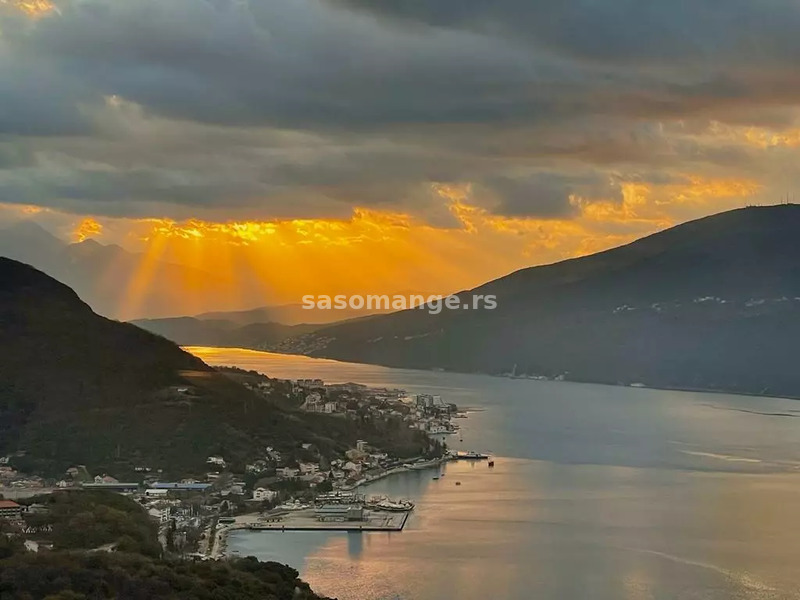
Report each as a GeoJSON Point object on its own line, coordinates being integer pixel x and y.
{"type": "Point", "coordinates": [87, 228]}
{"type": "Point", "coordinates": [385, 252]}
{"type": "Point", "coordinates": [32, 8]}
{"type": "Point", "coordinates": [255, 263]}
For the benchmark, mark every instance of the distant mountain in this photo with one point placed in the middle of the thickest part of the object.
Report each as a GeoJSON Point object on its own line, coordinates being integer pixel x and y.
{"type": "Point", "coordinates": [711, 304]}
{"type": "Point", "coordinates": [77, 388]}
{"type": "Point", "coordinates": [188, 331]}
{"type": "Point", "coordinates": [114, 281]}
{"type": "Point", "coordinates": [287, 314]}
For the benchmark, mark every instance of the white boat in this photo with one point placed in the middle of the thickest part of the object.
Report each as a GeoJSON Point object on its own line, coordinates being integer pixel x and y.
{"type": "Point", "coordinates": [383, 503]}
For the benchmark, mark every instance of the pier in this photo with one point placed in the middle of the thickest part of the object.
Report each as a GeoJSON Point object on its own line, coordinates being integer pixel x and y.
{"type": "Point", "coordinates": [306, 520]}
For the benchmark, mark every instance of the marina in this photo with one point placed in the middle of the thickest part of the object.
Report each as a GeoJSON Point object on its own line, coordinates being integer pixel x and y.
{"type": "Point", "coordinates": [308, 520]}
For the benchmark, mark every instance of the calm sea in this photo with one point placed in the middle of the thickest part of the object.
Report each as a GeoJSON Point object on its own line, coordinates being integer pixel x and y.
{"type": "Point", "coordinates": [598, 493]}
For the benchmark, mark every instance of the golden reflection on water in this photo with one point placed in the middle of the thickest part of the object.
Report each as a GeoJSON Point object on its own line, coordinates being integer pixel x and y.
{"type": "Point", "coordinates": [531, 529]}
{"type": "Point", "coordinates": [644, 495]}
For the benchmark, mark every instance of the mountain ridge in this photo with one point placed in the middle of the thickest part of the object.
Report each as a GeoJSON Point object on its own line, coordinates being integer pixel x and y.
{"type": "Point", "coordinates": [710, 304]}
{"type": "Point", "coordinates": [78, 388]}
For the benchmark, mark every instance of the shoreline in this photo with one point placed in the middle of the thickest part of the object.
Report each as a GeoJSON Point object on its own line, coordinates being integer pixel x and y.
{"type": "Point", "coordinates": [436, 462]}
{"type": "Point", "coordinates": [687, 390]}
{"type": "Point", "coordinates": [220, 541]}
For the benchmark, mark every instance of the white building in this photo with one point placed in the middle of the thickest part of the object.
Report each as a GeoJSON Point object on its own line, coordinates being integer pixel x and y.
{"type": "Point", "coordinates": [308, 468]}
{"type": "Point", "coordinates": [216, 460]}
{"type": "Point", "coordinates": [261, 494]}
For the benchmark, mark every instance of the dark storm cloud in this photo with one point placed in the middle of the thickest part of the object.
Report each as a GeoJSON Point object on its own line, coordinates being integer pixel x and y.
{"type": "Point", "coordinates": [547, 194]}
{"type": "Point", "coordinates": [294, 107]}
{"type": "Point", "coordinates": [690, 32]}
{"type": "Point", "coordinates": [296, 64]}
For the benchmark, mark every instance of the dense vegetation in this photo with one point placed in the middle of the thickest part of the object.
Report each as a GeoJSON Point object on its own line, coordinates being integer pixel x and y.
{"type": "Point", "coordinates": [125, 576]}
{"type": "Point", "coordinates": [86, 520]}
{"type": "Point", "coordinates": [105, 546]}
{"type": "Point", "coordinates": [76, 388]}
{"type": "Point", "coordinates": [711, 304]}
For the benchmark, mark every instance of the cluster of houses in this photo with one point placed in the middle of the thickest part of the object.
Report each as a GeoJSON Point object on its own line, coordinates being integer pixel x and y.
{"type": "Point", "coordinates": [10, 477]}
{"type": "Point", "coordinates": [273, 478]}
{"type": "Point", "coordinates": [426, 412]}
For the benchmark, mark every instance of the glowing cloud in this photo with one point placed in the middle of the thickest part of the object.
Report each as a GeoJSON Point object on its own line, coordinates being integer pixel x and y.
{"type": "Point", "coordinates": [86, 229]}
{"type": "Point", "coordinates": [32, 8]}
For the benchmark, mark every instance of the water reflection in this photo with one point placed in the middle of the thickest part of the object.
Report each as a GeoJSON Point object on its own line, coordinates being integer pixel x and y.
{"type": "Point", "coordinates": [598, 492]}
{"type": "Point", "coordinates": [355, 544]}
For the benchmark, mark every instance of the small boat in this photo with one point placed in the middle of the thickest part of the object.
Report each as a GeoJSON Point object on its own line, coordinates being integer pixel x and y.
{"type": "Point", "coordinates": [436, 478]}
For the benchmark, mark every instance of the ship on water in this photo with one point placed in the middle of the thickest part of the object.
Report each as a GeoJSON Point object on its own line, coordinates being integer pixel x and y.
{"type": "Point", "coordinates": [471, 455]}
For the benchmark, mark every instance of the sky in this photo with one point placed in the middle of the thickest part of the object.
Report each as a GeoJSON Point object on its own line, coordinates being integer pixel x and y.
{"type": "Point", "coordinates": [392, 146]}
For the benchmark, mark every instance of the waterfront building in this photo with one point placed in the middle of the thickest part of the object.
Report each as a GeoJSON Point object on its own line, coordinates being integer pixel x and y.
{"type": "Point", "coordinates": [10, 510]}
{"type": "Point", "coordinates": [339, 512]}
{"type": "Point", "coordinates": [120, 487]}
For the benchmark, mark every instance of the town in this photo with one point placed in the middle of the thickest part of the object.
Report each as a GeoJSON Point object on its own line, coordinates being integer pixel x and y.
{"type": "Point", "coordinates": [303, 488]}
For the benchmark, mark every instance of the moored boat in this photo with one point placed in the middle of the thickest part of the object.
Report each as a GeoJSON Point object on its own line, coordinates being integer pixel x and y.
{"type": "Point", "coordinates": [471, 455]}
{"type": "Point", "coordinates": [385, 504]}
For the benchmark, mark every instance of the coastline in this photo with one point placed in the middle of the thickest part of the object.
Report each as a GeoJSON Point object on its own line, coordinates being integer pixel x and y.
{"type": "Point", "coordinates": [680, 389]}
{"type": "Point", "coordinates": [436, 462]}
{"type": "Point", "coordinates": [220, 542]}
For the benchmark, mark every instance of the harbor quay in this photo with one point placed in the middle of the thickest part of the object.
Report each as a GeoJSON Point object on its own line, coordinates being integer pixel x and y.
{"type": "Point", "coordinates": [309, 520]}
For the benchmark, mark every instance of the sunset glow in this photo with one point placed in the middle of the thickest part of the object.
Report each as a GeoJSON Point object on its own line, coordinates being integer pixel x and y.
{"type": "Point", "coordinates": [233, 168]}
{"type": "Point", "coordinates": [278, 261]}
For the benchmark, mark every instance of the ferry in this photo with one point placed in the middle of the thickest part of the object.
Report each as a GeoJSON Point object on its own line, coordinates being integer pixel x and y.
{"type": "Point", "coordinates": [470, 456]}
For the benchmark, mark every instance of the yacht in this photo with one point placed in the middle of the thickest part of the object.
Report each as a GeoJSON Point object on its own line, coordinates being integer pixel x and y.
{"type": "Point", "coordinates": [384, 503]}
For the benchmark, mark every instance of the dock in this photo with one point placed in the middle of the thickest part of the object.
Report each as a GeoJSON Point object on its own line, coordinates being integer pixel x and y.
{"type": "Point", "coordinates": [306, 520]}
